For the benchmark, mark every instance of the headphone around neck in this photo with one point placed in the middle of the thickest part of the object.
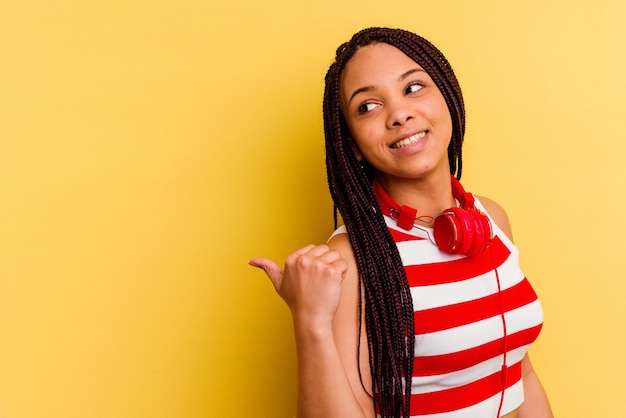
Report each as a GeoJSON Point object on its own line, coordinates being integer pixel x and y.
{"type": "Point", "coordinates": [459, 230]}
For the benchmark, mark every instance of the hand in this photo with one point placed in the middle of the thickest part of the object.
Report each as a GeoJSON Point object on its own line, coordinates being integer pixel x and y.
{"type": "Point", "coordinates": [310, 284]}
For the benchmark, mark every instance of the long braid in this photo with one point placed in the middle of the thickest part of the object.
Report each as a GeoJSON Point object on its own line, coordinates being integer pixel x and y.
{"type": "Point", "coordinates": [388, 304]}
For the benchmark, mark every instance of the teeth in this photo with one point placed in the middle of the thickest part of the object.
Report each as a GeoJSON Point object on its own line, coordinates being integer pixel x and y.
{"type": "Point", "coordinates": [408, 141]}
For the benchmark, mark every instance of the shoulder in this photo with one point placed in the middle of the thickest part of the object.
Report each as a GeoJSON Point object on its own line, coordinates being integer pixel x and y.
{"type": "Point", "coordinates": [342, 230]}
{"type": "Point", "coordinates": [340, 242]}
{"type": "Point", "coordinates": [498, 214]}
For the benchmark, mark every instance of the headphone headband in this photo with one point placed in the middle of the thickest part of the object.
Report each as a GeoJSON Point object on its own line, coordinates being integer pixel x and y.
{"type": "Point", "coordinates": [465, 199]}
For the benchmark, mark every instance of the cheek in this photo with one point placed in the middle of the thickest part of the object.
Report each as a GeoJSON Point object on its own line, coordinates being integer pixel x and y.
{"type": "Point", "coordinates": [369, 144]}
{"type": "Point", "coordinates": [447, 120]}
{"type": "Point", "coordinates": [442, 115]}
{"type": "Point", "coordinates": [364, 135]}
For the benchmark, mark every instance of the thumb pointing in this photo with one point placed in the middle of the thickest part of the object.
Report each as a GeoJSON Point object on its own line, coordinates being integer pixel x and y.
{"type": "Point", "coordinates": [273, 270]}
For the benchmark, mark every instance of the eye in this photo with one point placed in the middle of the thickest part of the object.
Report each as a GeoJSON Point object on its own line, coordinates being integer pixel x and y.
{"type": "Point", "coordinates": [367, 107]}
{"type": "Point", "coordinates": [413, 87]}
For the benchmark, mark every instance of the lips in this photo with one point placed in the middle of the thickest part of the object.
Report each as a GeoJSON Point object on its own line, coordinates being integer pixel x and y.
{"type": "Point", "coordinates": [408, 141]}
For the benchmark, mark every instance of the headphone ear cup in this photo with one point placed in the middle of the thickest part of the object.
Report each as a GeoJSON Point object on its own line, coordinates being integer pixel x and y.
{"type": "Point", "coordinates": [480, 237]}
{"type": "Point", "coordinates": [486, 227]}
{"type": "Point", "coordinates": [453, 232]}
{"type": "Point", "coordinates": [446, 230]}
{"type": "Point", "coordinates": [462, 231]}
{"type": "Point", "coordinates": [468, 237]}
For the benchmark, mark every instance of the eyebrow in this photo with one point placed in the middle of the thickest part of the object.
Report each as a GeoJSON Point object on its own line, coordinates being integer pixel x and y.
{"type": "Point", "coordinates": [370, 88]}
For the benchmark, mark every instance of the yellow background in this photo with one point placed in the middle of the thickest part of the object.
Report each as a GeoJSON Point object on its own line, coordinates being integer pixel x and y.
{"type": "Point", "coordinates": [149, 148]}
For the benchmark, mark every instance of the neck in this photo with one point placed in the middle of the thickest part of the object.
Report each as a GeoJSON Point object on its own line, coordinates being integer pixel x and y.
{"type": "Point", "coordinates": [429, 196]}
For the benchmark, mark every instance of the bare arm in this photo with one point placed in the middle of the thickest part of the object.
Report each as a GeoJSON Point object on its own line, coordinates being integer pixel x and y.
{"type": "Point", "coordinates": [317, 286]}
{"type": "Point", "coordinates": [535, 403]}
{"type": "Point", "coordinates": [346, 326]}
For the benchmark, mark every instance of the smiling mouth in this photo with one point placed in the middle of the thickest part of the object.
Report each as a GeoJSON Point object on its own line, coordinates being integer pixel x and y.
{"type": "Point", "coordinates": [408, 141]}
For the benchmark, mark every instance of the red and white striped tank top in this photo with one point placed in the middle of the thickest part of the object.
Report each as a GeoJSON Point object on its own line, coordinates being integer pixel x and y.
{"type": "Point", "coordinates": [464, 322]}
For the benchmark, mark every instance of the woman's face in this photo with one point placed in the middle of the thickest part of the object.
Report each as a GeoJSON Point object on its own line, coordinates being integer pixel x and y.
{"type": "Point", "coordinates": [397, 116]}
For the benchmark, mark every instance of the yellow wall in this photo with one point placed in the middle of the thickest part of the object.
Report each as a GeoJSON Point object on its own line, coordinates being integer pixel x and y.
{"type": "Point", "coordinates": [149, 148]}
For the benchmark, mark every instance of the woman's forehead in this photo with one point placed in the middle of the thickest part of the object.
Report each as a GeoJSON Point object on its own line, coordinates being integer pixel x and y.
{"type": "Point", "coordinates": [379, 59]}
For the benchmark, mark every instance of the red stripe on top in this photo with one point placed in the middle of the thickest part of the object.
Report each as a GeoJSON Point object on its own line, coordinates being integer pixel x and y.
{"type": "Point", "coordinates": [460, 269]}
{"type": "Point", "coordinates": [452, 362]}
{"type": "Point", "coordinates": [450, 316]}
{"type": "Point", "coordinates": [399, 236]}
{"type": "Point", "coordinates": [463, 396]}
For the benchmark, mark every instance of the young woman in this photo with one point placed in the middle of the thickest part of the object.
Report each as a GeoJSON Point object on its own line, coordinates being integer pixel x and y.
{"type": "Point", "coordinates": [417, 306]}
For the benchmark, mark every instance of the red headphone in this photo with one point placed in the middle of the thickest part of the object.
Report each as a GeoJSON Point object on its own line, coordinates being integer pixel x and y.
{"type": "Point", "coordinates": [465, 230]}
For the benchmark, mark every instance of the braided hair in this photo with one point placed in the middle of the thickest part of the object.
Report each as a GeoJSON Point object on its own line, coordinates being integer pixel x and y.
{"type": "Point", "coordinates": [388, 305]}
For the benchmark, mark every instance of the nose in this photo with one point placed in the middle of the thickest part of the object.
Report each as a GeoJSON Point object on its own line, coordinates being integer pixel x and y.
{"type": "Point", "coordinates": [399, 113]}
